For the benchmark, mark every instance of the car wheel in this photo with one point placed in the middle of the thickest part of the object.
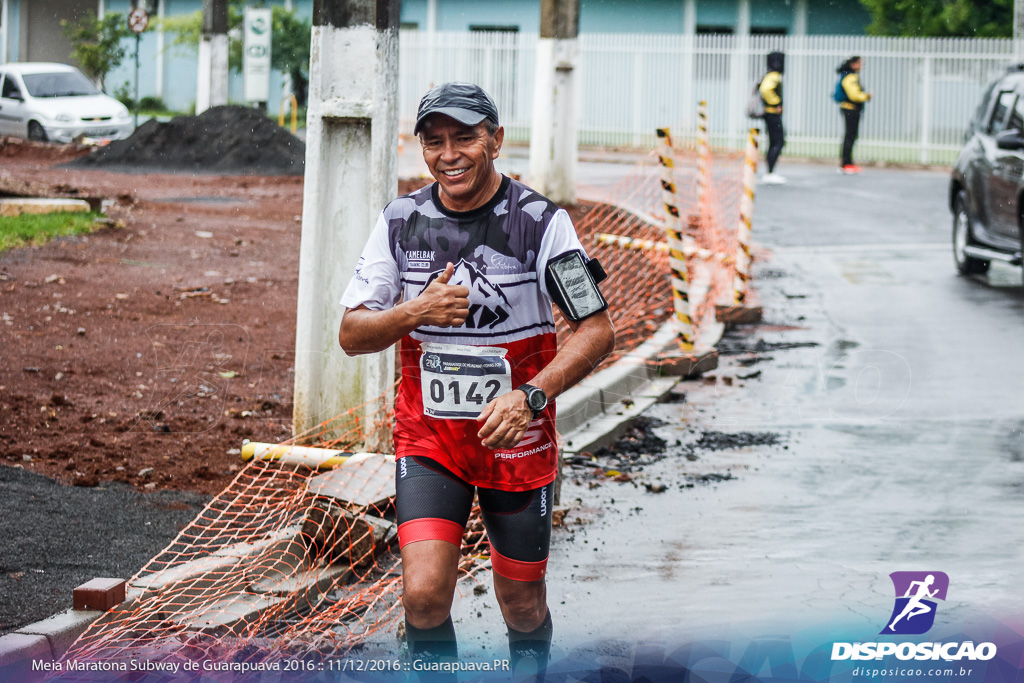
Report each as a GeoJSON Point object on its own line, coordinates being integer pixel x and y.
{"type": "Point", "coordinates": [36, 132]}
{"type": "Point", "coordinates": [967, 265]}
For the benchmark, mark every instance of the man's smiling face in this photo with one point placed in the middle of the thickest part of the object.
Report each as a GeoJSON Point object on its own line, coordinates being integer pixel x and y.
{"type": "Point", "coordinates": [461, 159]}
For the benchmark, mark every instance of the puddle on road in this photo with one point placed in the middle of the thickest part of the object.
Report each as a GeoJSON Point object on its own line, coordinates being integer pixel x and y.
{"type": "Point", "coordinates": [754, 360]}
{"type": "Point", "coordinates": [736, 347]}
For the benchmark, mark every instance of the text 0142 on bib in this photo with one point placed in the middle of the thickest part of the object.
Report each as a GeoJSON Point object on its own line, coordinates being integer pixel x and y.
{"type": "Point", "coordinates": [458, 380]}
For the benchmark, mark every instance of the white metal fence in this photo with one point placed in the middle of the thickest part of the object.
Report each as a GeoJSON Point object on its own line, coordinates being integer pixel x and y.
{"type": "Point", "coordinates": [924, 90]}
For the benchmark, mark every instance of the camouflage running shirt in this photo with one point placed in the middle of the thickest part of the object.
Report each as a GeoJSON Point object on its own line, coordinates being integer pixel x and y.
{"type": "Point", "coordinates": [500, 251]}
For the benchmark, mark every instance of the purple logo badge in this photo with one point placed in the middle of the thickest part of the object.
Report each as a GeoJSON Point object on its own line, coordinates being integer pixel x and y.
{"type": "Point", "coordinates": [916, 593]}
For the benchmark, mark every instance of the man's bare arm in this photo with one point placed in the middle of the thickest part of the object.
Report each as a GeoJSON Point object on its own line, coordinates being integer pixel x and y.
{"type": "Point", "coordinates": [440, 304]}
{"type": "Point", "coordinates": [506, 418]}
{"type": "Point", "coordinates": [590, 343]}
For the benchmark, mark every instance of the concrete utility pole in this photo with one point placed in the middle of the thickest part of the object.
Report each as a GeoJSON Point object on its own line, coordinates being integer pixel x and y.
{"type": "Point", "coordinates": [740, 78]}
{"type": "Point", "coordinates": [4, 30]}
{"type": "Point", "coordinates": [553, 146]}
{"type": "Point", "coordinates": [212, 84]}
{"type": "Point", "coordinates": [1018, 26]}
{"type": "Point", "coordinates": [351, 173]}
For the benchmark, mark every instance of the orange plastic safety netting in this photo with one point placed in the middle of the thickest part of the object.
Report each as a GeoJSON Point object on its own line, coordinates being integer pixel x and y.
{"type": "Point", "coordinates": [627, 232]}
{"type": "Point", "coordinates": [298, 556]}
{"type": "Point", "coordinates": [289, 560]}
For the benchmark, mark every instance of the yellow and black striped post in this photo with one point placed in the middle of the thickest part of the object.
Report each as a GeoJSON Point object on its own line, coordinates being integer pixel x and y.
{"type": "Point", "coordinates": [703, 160]}
{"type": "Point", "coordinates": [676, 258]}
{"type": "Point", "coordinates": [743, 258]}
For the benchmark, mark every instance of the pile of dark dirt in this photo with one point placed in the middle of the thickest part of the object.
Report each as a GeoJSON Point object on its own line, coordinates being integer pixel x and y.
{"type": "Point", "coordinates": [223, 140]}
{"type": "Point", "coordinates": [720, 441]}
{"type": "Point", "coordinates": [640, 447]}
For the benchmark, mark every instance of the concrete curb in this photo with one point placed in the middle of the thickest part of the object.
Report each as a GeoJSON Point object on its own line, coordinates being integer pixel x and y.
{"type": "Point", "coordinates": [43, 641]}
{"type": "Point", "coordinates": [19, 206]}
{"type": "Point", "coordinates": [600, 408]}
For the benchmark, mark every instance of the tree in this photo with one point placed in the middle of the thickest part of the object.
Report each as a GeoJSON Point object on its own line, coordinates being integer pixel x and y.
{"type": "Point", "coordinates": [96, 43]}
{"type": "Point", "coordinates": [290, 50]}
{"type": "Point", "coordinates": [941, 18]}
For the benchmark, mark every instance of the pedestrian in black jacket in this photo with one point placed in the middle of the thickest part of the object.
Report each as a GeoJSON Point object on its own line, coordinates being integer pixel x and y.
{"type": "Point", "coordinates": [771, 94]}
{"type": "Point", "coordinates": [851, 99]}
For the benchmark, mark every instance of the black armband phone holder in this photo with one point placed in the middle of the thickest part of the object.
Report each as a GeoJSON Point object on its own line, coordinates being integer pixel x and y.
{"type": "Point", "coordinates": [572, 283]}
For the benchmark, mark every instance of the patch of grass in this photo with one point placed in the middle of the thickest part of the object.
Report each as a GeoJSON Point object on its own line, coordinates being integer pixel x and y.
{"type": "Point", "coordinates": [36, 229]}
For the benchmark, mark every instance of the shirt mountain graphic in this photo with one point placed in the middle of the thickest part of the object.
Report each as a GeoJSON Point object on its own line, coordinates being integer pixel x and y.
{"type": "Point", "coordinates": [488, 305]}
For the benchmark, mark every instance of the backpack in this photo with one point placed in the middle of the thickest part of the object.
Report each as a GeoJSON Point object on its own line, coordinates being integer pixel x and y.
{"type": "Point", "coordinates": [755, 106]}
{"type": "Point", "coordinates": [840, 94]}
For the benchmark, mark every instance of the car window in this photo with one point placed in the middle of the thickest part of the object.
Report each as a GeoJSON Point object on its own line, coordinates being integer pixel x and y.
{"type": "Point", "coordinates": [59, 84]}
{"type": "Point", "coordinates": [1004, 103]}
{"type": "Point", "coordinates": [978, 120]}
{"type": "Point", "coordinates": [9, 88]}
{"type": "Point", "coordinates": [1016, 121]}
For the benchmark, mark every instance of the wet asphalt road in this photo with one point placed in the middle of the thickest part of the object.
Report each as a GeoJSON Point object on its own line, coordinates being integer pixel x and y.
{"type": "Point", "coordinates": [54, 538]}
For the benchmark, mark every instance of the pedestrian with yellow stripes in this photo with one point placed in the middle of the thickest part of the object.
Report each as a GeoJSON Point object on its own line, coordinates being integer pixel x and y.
{"type": "Point", "coordinates": [851, 98]}
{"type": "Point", "coordinates": [771, 94]}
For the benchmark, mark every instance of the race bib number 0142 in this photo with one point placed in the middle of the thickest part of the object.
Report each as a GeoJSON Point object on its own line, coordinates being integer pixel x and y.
{"type": "Point", "coordinates": [459, 380]}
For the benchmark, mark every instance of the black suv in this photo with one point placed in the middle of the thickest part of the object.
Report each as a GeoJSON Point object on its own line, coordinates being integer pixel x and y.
{"type": "Point", "coordinates": [986, 191]}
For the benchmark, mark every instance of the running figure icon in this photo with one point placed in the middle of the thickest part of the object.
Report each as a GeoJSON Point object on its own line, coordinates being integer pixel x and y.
{"type": "Point", "coordinates": [915, 606]}
{"type": "Point", "coordinates": [916, 596]}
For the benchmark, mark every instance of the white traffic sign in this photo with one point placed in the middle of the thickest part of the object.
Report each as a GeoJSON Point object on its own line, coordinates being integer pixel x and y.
{"type": "Point", "coordinates": [256, 54]}
{"type": "Point", "coordinates": [138, 20]}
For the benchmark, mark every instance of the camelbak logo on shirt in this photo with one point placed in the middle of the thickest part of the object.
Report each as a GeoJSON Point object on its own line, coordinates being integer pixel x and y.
{"type": "Point", "coordinates": [419, 260]}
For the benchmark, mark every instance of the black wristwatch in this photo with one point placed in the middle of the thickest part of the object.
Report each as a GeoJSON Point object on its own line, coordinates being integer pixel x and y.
{"type": "Point", "coordinates": [536, 399]}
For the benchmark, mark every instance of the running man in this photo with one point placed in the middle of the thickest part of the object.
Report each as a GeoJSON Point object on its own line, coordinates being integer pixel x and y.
{"type": "Point", "coordinates": [463, 272]}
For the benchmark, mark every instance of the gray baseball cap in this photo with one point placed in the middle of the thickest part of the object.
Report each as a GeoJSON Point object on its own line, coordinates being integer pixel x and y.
{"type": "Point", "coordinates": [467, 103]}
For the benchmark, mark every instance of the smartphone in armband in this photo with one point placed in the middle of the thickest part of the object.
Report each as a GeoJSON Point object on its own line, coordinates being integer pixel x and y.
{"type": "Point", "coordinates": [572, 285]}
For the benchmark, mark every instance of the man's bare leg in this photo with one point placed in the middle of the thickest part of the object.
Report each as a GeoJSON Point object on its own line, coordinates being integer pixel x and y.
{"type": "Point", "coordinates": [429, 574]}
{"type": "Point", "coordinates": [524, 606]}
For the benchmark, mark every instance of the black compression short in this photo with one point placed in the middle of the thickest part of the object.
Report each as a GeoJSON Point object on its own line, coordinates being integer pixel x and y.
{"type": "Point", "coordinates": [434, 504]}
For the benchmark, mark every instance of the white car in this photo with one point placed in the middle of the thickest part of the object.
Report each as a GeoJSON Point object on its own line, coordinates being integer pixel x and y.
{"type": "Point", "coordinates": [56, 102]}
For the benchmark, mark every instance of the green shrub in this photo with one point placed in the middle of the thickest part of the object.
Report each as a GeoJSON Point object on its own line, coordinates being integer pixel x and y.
{"type": "Point", "coordinates": [152, 103]}
{"type": "Point", "coordinates": [123, 94]}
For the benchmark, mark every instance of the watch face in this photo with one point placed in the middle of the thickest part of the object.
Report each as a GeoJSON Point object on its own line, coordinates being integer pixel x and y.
{"type": "Point", "coordinates": [537, 400]}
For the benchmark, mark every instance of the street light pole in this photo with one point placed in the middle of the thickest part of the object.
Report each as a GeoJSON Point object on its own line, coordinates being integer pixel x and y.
{"type": "Point", "coordinates": [138, 20]}
{"type": "Point", "coordinates": [138, 37]}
